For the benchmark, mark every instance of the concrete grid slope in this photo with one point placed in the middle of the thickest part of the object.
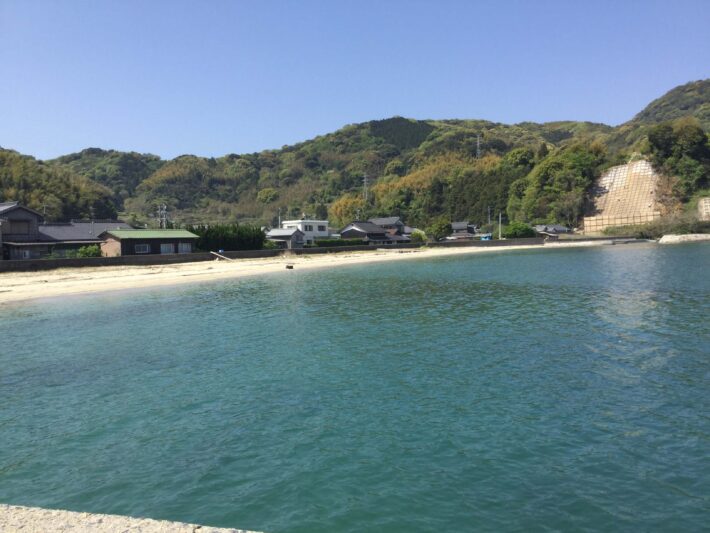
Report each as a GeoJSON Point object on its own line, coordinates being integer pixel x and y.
{"type": "Point", "coordinates": [624, 195]}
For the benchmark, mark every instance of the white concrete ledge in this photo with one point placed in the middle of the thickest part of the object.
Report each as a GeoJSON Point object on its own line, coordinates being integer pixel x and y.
{"type": "Point", "coordinates": [15, 518]}
{"type": "Point", "coordinates": [691, 237]}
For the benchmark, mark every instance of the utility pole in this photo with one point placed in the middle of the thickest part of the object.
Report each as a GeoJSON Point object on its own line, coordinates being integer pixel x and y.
{"type": "Point", "coordinates": [489, 215]}
{"type": "Point", "coordinates": [500, 225]}
{"type": "Point", "coordinates": [364, 186]}
{"type": "Point", "coordinates": [279, 217]}
{"type": "Point", "coordinates": [478, 148]}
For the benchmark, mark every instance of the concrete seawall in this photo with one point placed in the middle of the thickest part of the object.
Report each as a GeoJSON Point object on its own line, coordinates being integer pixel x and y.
{"type": "Point", "coordinates": [15, 518]}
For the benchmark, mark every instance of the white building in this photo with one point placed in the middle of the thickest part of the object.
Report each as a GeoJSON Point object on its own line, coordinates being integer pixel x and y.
{"type": "Point", "coordinates": [312, 229]}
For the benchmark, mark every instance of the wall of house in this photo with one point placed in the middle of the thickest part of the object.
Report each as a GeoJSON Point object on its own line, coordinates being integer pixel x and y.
{"type": "Point", "coordinates": [111, 247]}
{"type": "Point", "coordinates": [128, 246]}
{"type": "Point", "coordinates": [309, 235]}
{"type": "Point", "coordinates": [27, 252]}
{"type": "Point", "coordinates": [16, 217]}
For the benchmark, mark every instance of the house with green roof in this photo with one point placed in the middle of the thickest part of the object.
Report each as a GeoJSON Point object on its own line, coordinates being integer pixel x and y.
{"type": "Point", "coordinates": [118, 242]}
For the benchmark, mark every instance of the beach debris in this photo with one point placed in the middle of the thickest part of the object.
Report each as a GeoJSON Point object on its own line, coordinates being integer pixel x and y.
{"type": "Point", "coordinates": [220, 256]}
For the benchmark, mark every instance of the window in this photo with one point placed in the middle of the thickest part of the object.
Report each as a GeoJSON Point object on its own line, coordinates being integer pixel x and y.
{"type": "Point", "coordinates": [322, 228]}
{"type": "Point", "coordinates": [167, 248]}
{"type": "Point", "coordinates": [142, 248]}
{"type": "Point", "coordinates": [185, 248]}
{"type": "Point", "coordinates": [308, 227]}
{"type": "Point", "coordinates": [19, 227]}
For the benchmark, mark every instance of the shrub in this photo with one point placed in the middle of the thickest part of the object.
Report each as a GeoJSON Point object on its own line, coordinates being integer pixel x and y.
{"type": "Point", "coordinates": [91, 250]}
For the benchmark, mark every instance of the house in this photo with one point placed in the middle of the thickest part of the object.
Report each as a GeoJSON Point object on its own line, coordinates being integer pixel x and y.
{"type": "Point", "coordinates": [19, 232]}
{"type": "Point", "coordinates": [144, 241]}
{"type": "Point", "coordinates": [64, 237]}
{"type": "Point", "coordinates": [461, 230]}
{"type": "Point", "coordinates": [368, 232]}
{"type": "Point", "coordinates": [312, 229]}
{"type": "Point", "coordinates": [25, 235]}
{"type": "Point", "coordinates": [287, 238]}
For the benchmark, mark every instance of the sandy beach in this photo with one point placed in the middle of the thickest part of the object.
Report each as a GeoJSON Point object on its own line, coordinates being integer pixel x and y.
{"type": "Point", "coordinates": [23, 286]}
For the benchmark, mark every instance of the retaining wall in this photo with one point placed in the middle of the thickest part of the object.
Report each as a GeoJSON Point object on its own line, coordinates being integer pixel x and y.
{"type": "Point", "coordinates": [26, 265]}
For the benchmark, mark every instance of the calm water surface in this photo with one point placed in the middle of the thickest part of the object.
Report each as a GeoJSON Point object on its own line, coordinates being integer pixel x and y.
{"type": "Point", "coordinates": [542, 390]}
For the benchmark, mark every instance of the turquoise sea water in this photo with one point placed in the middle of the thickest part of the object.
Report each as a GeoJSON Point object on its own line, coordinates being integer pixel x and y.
{"type": "Point", "coordinates": [540, 390]}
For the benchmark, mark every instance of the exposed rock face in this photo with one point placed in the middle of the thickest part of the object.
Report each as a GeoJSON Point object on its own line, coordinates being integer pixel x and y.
{"type": "Point", "coordinates": [624, 195]}
{"type": "Point", "coordinates": [14, 518]}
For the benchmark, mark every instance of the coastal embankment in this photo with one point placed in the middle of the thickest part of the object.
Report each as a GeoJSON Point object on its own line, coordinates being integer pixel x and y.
{"type": "Point", "coordinates": [677, 239]}
{"type": "Point", "coordinates": [15, 518]}
{"type": "Point", "coordinates": [23, 286]}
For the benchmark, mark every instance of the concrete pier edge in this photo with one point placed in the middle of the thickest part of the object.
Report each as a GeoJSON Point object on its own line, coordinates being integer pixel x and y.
{"type": "Point", "coordinates": [17, 518]}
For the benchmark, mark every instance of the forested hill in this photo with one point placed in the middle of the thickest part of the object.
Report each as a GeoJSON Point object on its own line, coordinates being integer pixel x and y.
{"type": "Point", "coordinates": [418, 169]}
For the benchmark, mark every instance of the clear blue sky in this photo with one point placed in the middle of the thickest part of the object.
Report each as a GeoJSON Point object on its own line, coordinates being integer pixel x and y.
{"type": "Point", "coordinates": [216, 77]}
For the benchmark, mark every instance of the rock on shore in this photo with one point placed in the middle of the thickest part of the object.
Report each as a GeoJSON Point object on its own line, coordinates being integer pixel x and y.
{"type": "Point", "coordinates": [691, 237]}
{"type": "Point", "coordinates": [15, 518]}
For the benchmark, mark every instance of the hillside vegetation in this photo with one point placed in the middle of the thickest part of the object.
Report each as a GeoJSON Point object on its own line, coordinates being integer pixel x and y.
{"type": "Point", "coordinates": [51, 189]}
{"type": "Point", "coordinates": [418, 169]}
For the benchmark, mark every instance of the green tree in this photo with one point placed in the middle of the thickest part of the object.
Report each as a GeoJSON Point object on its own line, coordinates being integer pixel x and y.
{"type": "Point", "coordinates": [267, 195]}
{"type": "Point", "coordinates": [681, 149]}
{"type": "Point", "coordinates": [440, 228]}
{"type": "Point", "coordinates": [518, 230]}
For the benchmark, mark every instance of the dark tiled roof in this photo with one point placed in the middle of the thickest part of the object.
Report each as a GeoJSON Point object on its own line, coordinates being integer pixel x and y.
{"type": "Point", "coordinates": [551, 228]}
{"type": "Point", "coordinates": [365, 227]}
{"type": "Point", "coordinates": [386, 221]}
{"type": "Point", "coordinates": [288, 232]}
{"type": "Point", "coordinates": [9, 206]}
{"type": "Point", "coordinates": [78, 231]}
{"type": "Point", "coordinates": [6, 206]}
{"type": "Point", "coordinates": [131, 234]}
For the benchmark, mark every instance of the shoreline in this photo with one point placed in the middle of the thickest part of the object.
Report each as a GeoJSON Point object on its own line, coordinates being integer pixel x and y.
{"type": "Point", "coordinates": [24, 286]}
